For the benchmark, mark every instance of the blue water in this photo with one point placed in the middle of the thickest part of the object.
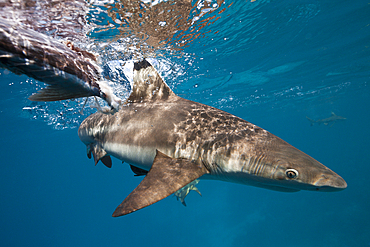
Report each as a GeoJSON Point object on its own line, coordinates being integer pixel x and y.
{"type": "Point", "coordinates": [271, 63]}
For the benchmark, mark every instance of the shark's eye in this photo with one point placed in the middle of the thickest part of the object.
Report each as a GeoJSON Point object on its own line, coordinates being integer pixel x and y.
{"type": "Point", "coordinates": [291, 173]}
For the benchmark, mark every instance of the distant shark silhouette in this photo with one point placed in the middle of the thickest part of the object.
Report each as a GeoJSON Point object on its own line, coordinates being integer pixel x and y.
{"type": "Point", "coordinates": [171, 140]}
{"type": "Point", "coordinates": [332, 119]}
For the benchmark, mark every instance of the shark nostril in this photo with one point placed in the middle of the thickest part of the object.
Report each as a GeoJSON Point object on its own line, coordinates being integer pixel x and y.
{"type": "Point", "coordinates": [328, 182]}
{"type": "Point", "coordinates": [325, 177]}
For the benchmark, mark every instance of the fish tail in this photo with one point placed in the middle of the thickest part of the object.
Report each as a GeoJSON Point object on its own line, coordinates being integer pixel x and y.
{"type": "Point", "coordinates": [68, 71]}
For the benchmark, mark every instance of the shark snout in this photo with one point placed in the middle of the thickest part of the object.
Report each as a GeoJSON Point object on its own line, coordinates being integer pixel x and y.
{"type": "Point", "coordinates": [330, 183]}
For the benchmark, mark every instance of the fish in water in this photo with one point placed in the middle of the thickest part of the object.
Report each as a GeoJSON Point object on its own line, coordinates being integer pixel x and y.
{"type": "Point", "coordinates": [171, 140]}
{"type": "Point", "coordinates": [332, 119]}
{"type": "Point", "coordinates": [176, 141]}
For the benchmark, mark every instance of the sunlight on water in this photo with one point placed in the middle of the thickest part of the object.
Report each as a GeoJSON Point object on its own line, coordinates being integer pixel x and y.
{"type": "Point", "coordinates": [158, 24]}
{"type": "Point", "coordinates": [58, 18]}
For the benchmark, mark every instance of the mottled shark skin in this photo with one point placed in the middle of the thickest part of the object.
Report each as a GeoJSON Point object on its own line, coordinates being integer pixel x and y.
{"type": "Point", "coordinates": [332, 119]}
{"type": "Point", "coordinates": [178, 141]}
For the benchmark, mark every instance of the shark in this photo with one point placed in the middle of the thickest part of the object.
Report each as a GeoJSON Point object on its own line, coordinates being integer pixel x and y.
{"type": "Point", "coordinates": [171, 141]}
{"type": "Point", "coordinates": [175, 141]}
{"type": "Point", "coordinates": [332, 119]}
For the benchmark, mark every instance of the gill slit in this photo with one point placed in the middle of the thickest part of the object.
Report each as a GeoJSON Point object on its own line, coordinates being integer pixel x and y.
{"type": "Point", "coordinates": [260, 164]}
{"type": "Point", "coordinates": [256, 165]}
{"type": "Point", "coordinates": [276, 166]}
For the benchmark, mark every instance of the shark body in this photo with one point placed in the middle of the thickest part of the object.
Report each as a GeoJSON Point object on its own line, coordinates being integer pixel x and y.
{"type": "Point", "coordinates": [178, 140]}
{"type": "Point", "coordinates": [326, 121]}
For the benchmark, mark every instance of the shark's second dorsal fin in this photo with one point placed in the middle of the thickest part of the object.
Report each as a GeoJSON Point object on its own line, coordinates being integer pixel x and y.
{"type": "Point", "coordinates": [148, 84]}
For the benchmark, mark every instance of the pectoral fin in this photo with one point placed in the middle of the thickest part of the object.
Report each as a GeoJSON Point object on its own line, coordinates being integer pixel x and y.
{"type": "Point", "coordinates": [166, 176]}
{"type": "Point", "coordinates": [99, 154]}
{"type": "Point", "coordinates": [107, 161]}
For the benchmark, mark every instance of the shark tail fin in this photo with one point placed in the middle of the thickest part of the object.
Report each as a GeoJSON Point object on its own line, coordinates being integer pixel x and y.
{"type": "Point", "coordinates": [56, 92]}
{"type": "Point", "coordinates": [311, 120]}
{"type": "Point", "coordinates": [70, 72]}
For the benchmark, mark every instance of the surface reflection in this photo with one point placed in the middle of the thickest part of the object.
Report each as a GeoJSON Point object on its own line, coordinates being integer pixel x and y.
{"type": "Point", "coordinates": [57, 18]}
{"type": "Point", "coordinates": [161, 24]}
{"type": "Point", "coordinates": [148, 27]}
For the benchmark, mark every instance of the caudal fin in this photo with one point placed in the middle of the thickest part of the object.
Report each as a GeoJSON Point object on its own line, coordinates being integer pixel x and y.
{"type": "Point", "coordinates": [69, 72]}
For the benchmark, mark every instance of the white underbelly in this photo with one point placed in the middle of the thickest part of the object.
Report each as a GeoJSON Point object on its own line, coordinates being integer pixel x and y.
{"type": "Point", "coordinates": [141, 157]}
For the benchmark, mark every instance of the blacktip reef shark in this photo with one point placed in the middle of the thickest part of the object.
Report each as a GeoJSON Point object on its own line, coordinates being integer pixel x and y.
{"type": "Point", "coordinates": [171, 140]}
{"type": "Point", "coordinates": [178, 140]}
{"type": "Point", "coordinates": [332, 119]}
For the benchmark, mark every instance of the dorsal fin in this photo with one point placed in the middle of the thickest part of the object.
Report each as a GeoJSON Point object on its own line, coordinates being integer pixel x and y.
{"type": "Point", "coordinates": [148, 84]}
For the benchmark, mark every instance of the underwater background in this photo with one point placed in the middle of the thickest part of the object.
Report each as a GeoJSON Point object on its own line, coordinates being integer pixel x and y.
{"type": "Point", "coordinates": [272, 63]}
